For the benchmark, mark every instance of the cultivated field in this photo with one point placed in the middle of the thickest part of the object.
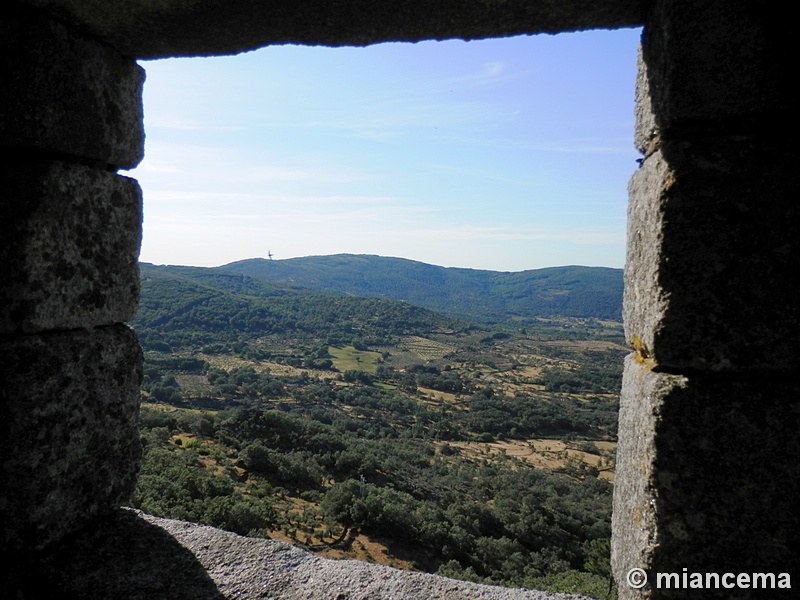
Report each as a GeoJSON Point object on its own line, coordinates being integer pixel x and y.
{"type": "Point", "coordinates": [350, 359]}
{"type": "Point", "coordinates": [546, 453]}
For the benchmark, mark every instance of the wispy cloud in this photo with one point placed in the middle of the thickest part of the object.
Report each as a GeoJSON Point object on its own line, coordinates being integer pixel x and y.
{"type": "Point", "coordinates": [482, 174]}
{"type": "Point", "coordinates": [488, 73]}
{"type": "Point", "coordinates": [466, 233]}
{"type": "Point", "coordinates": [333, 174]}
{"type": "Point", "coordinates": [300, 202]}
{"type": "Point", "coordinates": [591, 146]}
{"type": "Point", "coordinates": [183, 124]}
{"type": "Point", "coordinates": [198, 167]}
{"type": "Point", "coordinates": [409, 119]}
{"type": "Point", "coordinates": [548, 145]}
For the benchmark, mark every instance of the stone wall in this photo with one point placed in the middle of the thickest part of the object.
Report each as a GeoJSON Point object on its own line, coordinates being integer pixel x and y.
{"type": "Point", "coordinates": [70, 115]}
{"type": "Point", "coordinates": [709, 412]}
{"type": "Point", "coordinates": [710, 409]}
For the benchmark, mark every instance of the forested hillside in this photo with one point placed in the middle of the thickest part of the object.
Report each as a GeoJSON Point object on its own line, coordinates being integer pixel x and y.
{"type": "Point", "coordinates": [373, 429]}
{"type": "Point", "coordinates": [486, 296]}
{"type": "Point", "coordinates": [189, 307]}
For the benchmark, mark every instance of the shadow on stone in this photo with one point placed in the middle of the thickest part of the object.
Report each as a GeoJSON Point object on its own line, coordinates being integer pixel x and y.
{"type": "Point", "coordinates": [122, 556]}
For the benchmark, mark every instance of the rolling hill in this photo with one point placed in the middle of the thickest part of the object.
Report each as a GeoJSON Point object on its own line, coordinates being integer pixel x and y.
{"type": "Point", "coordinates": [479, 295]}
{"type": "Point", "coordinates": [195, 306]}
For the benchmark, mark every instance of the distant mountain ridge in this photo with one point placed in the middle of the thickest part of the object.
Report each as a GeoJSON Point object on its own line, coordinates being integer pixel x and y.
{"type": "Point", "coordinates": [480, 295]}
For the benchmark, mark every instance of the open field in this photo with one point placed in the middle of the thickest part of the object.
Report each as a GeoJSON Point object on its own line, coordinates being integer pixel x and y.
{"type": "Point", "coordinates": [544, 453]}
{"type": "Point", "coordinates": [350, 359]}
{"type": "Point", "coordinates": [426, 349]}
{"type": "Point", "coordinates": [193, 386]}
{"type": "Point", "coordinates": [229, 362]}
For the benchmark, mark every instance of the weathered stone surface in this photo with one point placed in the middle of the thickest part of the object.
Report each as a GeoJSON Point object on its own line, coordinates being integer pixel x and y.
{"type": "Point", "coordinates": [136, 556]}
{"type": "Point", "coordinates": [70, 444]}
{"type": "Point", "coordinates": [704, 479]}
{"type": "Point", "coordinates": [633, 519]}
{"type": "Point", "coordinates": [71, 238]}
{"type": "Point", "coordinates": [645, 132]}
{"type": "Point", "coordinates": [161, 28]}
{"type": "Point", "coordinates": [634, 522]}
{"type": "Point", "coordinates": [713, 238]}
{"type": "Point", "coordinates": [718, 65]}
{"type": "Point", "coordinates": [65, 93]}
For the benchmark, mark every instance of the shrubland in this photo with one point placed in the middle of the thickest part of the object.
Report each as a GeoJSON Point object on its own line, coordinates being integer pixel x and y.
{"type": "Point", "coordinates": [374, 429]}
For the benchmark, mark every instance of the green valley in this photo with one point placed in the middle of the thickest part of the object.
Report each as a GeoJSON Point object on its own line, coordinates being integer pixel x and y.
{"type": "Point", "coordinates": [375, 429]}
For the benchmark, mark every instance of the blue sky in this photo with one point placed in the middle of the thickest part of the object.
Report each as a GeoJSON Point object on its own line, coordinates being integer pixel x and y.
{"type": "Point", "coordinates": [504, 154]}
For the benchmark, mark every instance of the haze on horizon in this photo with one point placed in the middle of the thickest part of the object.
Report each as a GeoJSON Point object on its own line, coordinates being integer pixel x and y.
{"type": "Point", "coordinates": [502, 154]}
